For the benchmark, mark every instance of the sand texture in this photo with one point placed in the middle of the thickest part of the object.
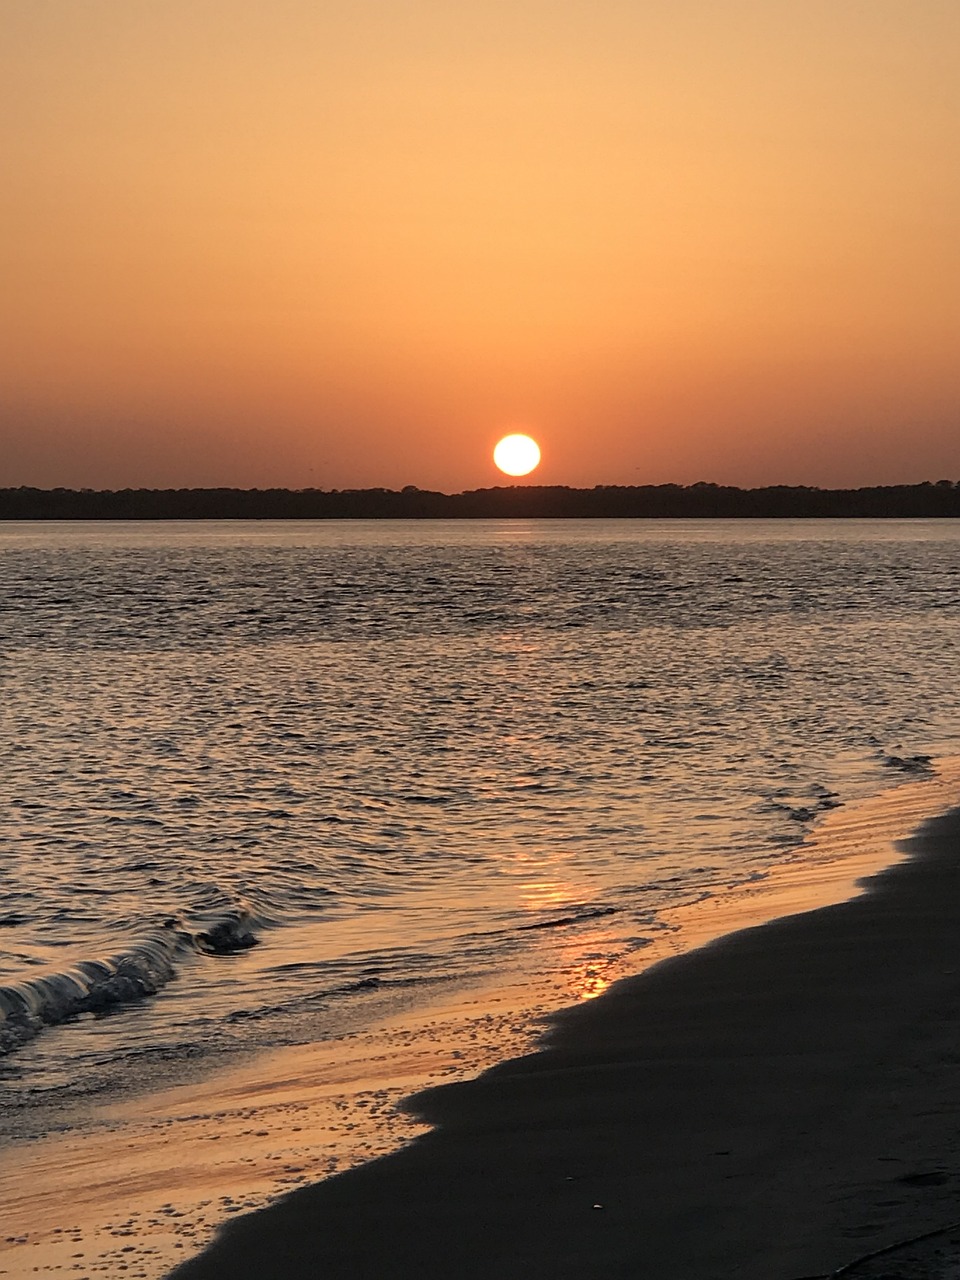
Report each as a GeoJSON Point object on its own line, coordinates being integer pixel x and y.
{"type": "Point", "coordinates": [772, 1106]}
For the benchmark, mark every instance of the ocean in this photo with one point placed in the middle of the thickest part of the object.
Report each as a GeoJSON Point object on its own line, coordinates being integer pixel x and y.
{"type": "Point", "coordinates": [264, 783]}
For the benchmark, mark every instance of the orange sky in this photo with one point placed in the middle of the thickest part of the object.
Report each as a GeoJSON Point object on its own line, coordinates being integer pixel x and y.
{"type": "Point", "coordinates": [352, 243]}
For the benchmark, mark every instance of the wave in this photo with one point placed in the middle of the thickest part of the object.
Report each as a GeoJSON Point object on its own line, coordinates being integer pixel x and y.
{"type": "Point", "coordinates": [97, 985]}
{"type": "Point", "coordinates": [909, 764]}
{"type": "Point", "coordinates": [576, 917]}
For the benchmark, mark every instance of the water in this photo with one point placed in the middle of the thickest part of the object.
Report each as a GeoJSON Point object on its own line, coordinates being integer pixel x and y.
{"type": "Point", "coordinates": [260, 780]}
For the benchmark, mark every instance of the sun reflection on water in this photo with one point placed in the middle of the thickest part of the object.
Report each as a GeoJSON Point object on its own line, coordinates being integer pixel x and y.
{"type": "Point", "coordinates": [582, 976]}
{"type": "Point", "coordinates": [587, 980]}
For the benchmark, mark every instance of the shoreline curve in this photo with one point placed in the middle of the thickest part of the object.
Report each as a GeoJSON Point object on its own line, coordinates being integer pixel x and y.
{"type": "Point", "coordinates": [776, 1103]}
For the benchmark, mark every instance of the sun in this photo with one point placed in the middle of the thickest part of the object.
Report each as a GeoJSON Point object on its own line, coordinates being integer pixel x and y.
{"type": "Point", "coordinates": [517, 455]}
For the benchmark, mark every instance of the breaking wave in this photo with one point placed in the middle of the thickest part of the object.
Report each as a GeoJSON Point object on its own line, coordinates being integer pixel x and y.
{"type": "Point", "coordinates": [99, 984]}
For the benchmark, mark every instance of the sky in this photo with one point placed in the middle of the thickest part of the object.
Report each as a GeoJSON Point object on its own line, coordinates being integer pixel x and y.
{"type": "Point", "coordinates": [352, 243]}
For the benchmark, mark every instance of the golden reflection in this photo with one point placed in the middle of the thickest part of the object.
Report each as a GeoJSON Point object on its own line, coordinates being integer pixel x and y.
{"type": "Point", "coordinates": [587, 980]}
{"type": "Point", "coordinates": [542, 895]}
{"type": "Point", "coordinates": [586, 950]}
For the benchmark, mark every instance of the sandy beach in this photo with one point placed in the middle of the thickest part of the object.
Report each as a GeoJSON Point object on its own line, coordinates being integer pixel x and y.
{"type": "Point", "coordinates": [777, 1104]}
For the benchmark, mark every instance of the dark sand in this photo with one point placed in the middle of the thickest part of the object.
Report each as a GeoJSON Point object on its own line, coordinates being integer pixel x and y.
{"type": "Point", "coordinates": [770, 1107]}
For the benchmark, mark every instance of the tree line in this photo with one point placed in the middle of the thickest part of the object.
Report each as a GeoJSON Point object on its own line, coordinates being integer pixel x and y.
{"type": "Point", "coordinates": [663, 501]}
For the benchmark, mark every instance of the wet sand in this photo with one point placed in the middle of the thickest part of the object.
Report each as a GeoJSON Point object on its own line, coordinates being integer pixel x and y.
{"type": "Point", "coordinates": [772, 1106]}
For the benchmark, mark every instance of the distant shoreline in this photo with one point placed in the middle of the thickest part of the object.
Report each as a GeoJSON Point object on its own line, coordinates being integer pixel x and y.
{"type": "Point", "coordinates": [940, 500]}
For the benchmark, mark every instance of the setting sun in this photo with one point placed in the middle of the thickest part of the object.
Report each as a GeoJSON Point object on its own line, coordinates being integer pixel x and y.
{"type": "Point", "coordinates": [517, 455]}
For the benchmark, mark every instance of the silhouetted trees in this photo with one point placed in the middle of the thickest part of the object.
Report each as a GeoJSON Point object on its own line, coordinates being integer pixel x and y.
{"type": "Point", "coordinates": [671, 501]}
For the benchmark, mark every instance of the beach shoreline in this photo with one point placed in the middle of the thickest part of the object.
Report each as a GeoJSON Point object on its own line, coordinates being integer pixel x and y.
{"type": "Point", "coordinates": [148, 1185]}
{"type": "Point", "coordinates": [775, 1104]}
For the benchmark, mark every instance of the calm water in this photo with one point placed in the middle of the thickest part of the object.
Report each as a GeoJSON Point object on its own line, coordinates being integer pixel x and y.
{"type": "Point", "coordinates": [390, 754]}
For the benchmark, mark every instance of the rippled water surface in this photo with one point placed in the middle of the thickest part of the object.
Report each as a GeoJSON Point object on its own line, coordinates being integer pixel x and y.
{"type": "Point", "coordinates": [391, 753]}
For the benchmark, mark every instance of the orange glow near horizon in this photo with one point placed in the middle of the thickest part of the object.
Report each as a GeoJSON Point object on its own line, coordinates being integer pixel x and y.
{"type": "Point", "coordinates": [336, 245]}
